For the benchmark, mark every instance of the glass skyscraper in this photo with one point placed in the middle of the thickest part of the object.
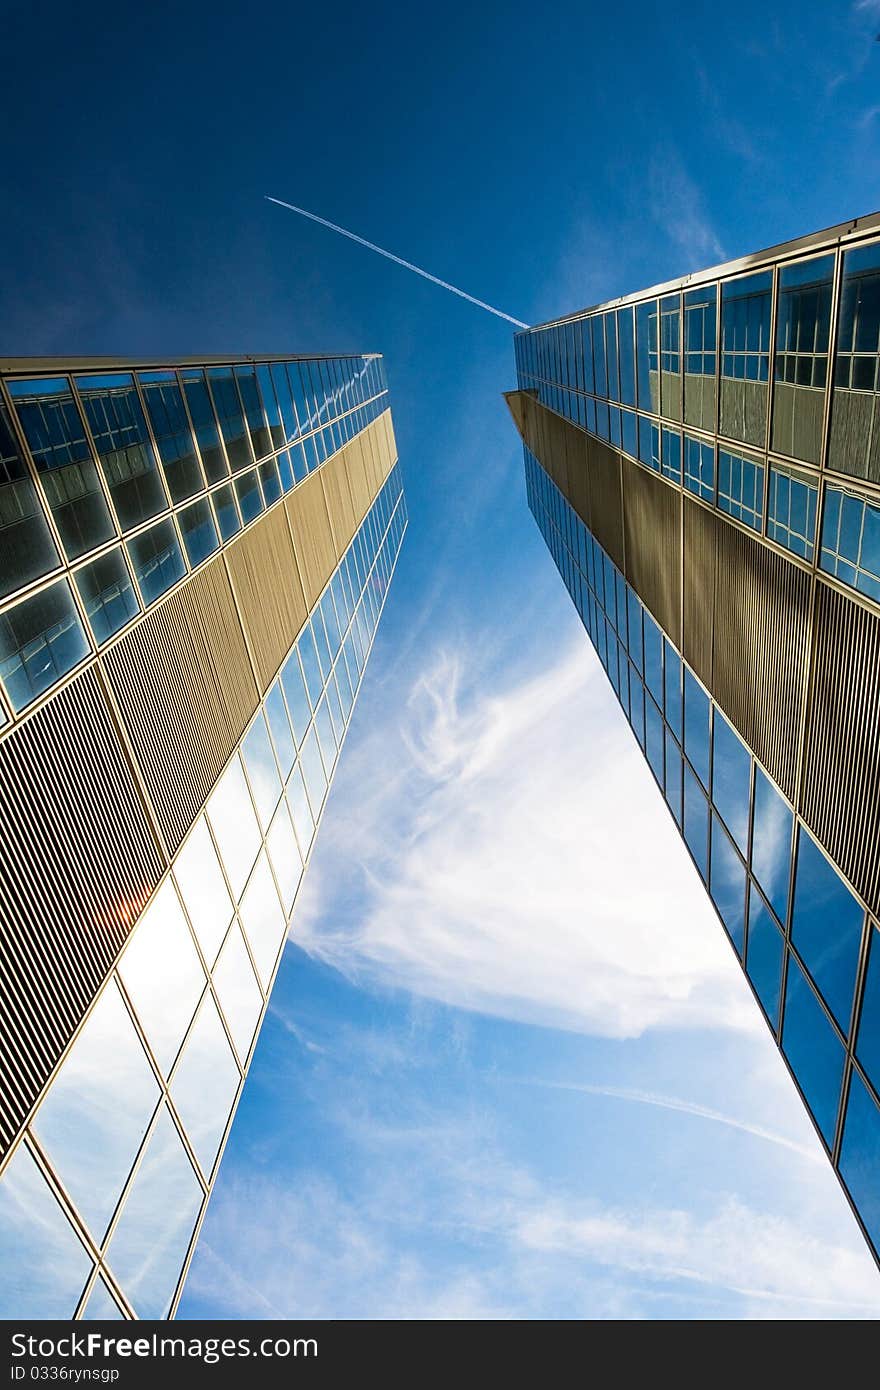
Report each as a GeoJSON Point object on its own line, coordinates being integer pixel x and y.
{"type": "Point", "coordinates": [194, 560]}
{"type": "Point", "coordinates": [703, 461]}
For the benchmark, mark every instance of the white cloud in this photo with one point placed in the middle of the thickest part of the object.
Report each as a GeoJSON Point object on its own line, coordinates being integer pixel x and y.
{"type": "Point", "coordinates": [505, 850]}
{"type": "Point", "coordinates": [676, 206]}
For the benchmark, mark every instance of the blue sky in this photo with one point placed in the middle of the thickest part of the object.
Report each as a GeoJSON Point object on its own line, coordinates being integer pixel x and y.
{"type": "Point", "coordinates": [511, 1068]}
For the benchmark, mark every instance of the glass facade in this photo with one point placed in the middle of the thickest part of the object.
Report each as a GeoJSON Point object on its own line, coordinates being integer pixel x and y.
{"type": "Point", "coordinates": [131, 480]}
{"type": "Point", "coordinates": [102, 1198]}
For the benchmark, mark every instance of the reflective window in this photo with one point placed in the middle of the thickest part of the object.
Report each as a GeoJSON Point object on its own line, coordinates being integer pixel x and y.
{"type": "Point", "coordinates": [172, 434]}
{"type": "Point", "coordinates": [204, 892]}
{"type": "Point", "coordinates": [238, 991]}
{"type": "Point", "coordinates": [654, 737]}
{"type": "Point", "coordinates": [295, 694]}
{"type": "Point", "coordinates": [96, 1112]}
{"type": "Point", "coordinates": [198, 531]}
{"type": "Point", "coordinates": [162, 975]}
{"type": "Point", "coordinates": [262, 919]}
{"type": "Point", "coordinates": [279, 726]}
{"type": "Point", "coordinates": [149, 1244]}
{"type": "Point", "coordinates": [764, 956]}
{"type": "Point", "coordinates": [229, 413]}
{"type": "Point", "coordinates": [699, 468]}
{"type": "Point", "coordinates": [107, 594]}
{"type": "Point", "coordinates": [26, 542]}
{"type": "Point", "coordinates": [57, 440]}
{"type": "Point", "coordinates": [313, 771]}
{"type": "Point", "coordinates": [234, 825]}
{"type": "Point", "coordinates": [673, 776]}
{"type": "Point", "coordinates": [626, 356]}
{"type": "Point", "coordinates": [253, 409]}
{"type": "Point", "coordinates": [41, 639]}
{"type": "Point", "coordinates": [270, 481]}
{"type": "Point", "coordinates": [649, 443]}
{"type": "Point", "coordinates": [671, 455]}
{"type": "Point", "coordinates": [771, 843]}
{"type": "Point", "coordinates": [653, 658]}
{"type": "Point", "coordinates": [860, 1155]}
{"type": "Point", "coordinates": [157, 560]}
{"type": "Point", "coordinates": [672, 684]}
{"type": "Point", "coordinates": [791, 511]}
{"type": "Point", "coordinates": [700, 315]}
{"type": "Point", "coordinates": [868, 1045]}
{"type": "Point", "coordinates": [205, 425]}
{"type": "Point", "coordinates": [284, 855]}
{"type": "Point", "coordinates": [46, 1267]}
{"type": "Point", "coordinates": [745, 357]}
{"type": "Point", "coordinates": [281, 384]}
{"type": "Point", "coordinates": [250, 498]}
{"type": "Point", "coordinates": [324, 727]}
{"type": "Point", "coordinates": [851, 541]}
{"type": "Point", "coordinates": [205, 1084]}
{"type": "Point", "coordinates": [853, 446]}
{"type": "Point", "coordinates": [727, 884]}
{"type": "Point", "coordinates": [670, 357]}
{"type": "Point", "coordinates": [730, 780]}
{"type": "Point", "coordinates": [311, 665]}
{"type": "Point", "coordinates": [226, 511]}
{"type": "Point", "coordinates": [696, 821]}
{"type": "Point", "coordinates": [813, 1050]}
{"type": "Point", "coordinates": [647, 365]}
{"type": "Point", "coordinates": [101, 1305]}
{"type": "Point", "coordinates": [303, 821]}
{"type": "Point", "coordinates": [803, 322]}
{"type": "Point", "coordinates": [831, 956]}
{"type": "Point", "coordinates": [119, 433]}
{"type": "Point", "coordinates": [696, 726]}
{"type": "Point", "coordinates": [262, 771]}
{"type": "Point", "coordinates": [741, 488]}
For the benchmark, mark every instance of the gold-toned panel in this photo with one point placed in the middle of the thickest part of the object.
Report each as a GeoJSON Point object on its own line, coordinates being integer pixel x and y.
{"type": "Point", "coordinates": [698, 529]}
{"type": "Point", "coordinates": [760, 647]}
{"type": "Point", "coordinates": [606, 507]}
{"type": "Point", "coordinates": [267, 589]}
{"type": "Point", "coordinates": [652, 523]}
{"type": "Point", "coordinates": [841, 788]}
{"type": "Point", "coordinates": [313, 540]}
{"type": "Point", "coordinates": [341, 487]}
{"type": "Point", "coordinates": [185, 689]}
{"type": "Point", "coordinates": [78, 860]}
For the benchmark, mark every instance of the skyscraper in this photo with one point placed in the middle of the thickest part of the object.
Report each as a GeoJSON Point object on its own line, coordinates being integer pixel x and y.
{"type": "Point", "coordinates": [194, 560]}
{"type": "Point", "coordinates": [703, 461]}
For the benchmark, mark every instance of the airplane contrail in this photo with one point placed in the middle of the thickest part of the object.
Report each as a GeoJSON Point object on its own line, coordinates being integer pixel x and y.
{"type": "Point", "coordinates": [408, 265]}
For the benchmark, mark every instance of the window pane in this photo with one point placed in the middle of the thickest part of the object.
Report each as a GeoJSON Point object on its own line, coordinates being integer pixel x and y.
{"type": "Point", "coordinates": [46, 1267]}
{"type": "Point", "coordinates": [868, 1048]}
{"type": "Point", "coordinates": [250, 498]}
{"type": "Point", "coordinates": [860, 1155]}
{"type": "Point", "coordinates": [284, 855]}
{"type": "Point", "coordinates": [771, 843]}
{"type": "Point", "coordinates": [226, 511]}
{"type": "Point", "coordinates": [234, 825]}
{"type": "Point", "coordinates": [97, 1110]}
{"type": "Point", "coordinates": [826, 928]}
{"type": "Point", "coordinates": [204, 892]}
{"type": "Point", "coordinates": [295, 694]}
{"type": "Point", "coordinates": [238, 992]}
{"type": "Point", "coordinates": [813, 1050]}
{"type": "Point", "coordinates": [198, 531]}
{"type": "Point", "coordinates": [41, 639]}
{"type": "Point", "coordinates": [173, 436]}
{"type": "Point", "coordinates": [162, 975]}
{"type": "Point", "coordinates": [313, 771]}
{"type": "Point", "coordinates": [727, 884]}
{"type": "Point", "coordinates": [57, 440]}
{"type": "Point", "coordinates": [107, 594]}
{"type": "Point", "coordinates": [696, 726]}
{"type": "Point", "coordinates": [205, 1084]}
{"type": "Point", "coordinates": [730, 780]}
{"type": "Point", "coordinates": [696, 821]}
{"type": "Point", "coordinates": [279, 727]}
{"type": "Point", "coordinates": [253, 409]}
{"type": "Point", "coordinates": [119, 432]}
{"type": "Point", "coordinates": [229, 413]}
{"type": "Point", "coordinates": [26, 542]}
{"type": "Point", "coordinates": [301, 814]}
{"type": "Point", "coordinates": [101, 1306]}
{"type": "Point", "coordinates": [157, 560]}
{"type": "Point", "coordinates": [262, 919]}
{"type": "Point", "coordinates": [262, 771]}
{"type": "Point", "coordinates": [205, 425]}
{"type": "Point", "coordinates": [149, 1245]}
{"type": "Point", "coordinates": [764, 957]}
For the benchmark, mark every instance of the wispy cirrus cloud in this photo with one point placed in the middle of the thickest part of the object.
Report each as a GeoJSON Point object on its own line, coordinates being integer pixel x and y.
{"type": "Point", "coordinates": [507, 852]}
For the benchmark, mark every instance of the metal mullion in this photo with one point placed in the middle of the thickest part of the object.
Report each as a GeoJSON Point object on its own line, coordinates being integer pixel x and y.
{"type": "Point", "coordinates": [32, 470]}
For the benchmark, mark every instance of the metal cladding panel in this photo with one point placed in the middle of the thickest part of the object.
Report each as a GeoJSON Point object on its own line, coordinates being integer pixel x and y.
{"type": "Point", "coordinates": [267, 588]}
{"type": "Point", "coordinates": [761, 648]}
{"type": "Point", "coordinates": [78, 861]}
{"type": "Point", "coordinates": [341, 486]}
{"type": "Point", "coordinates": [606, 505]}
{"type": "Point", "coordinates": [698, 577]}
{"type": "Point", "coordinates": [313, 541]}
{"type": "Point", "coordinates": [185, 690]}
{"type": "Point", "coordinates": [652, 521]}
{"type": "Point", "coordinates": [841, 788]}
